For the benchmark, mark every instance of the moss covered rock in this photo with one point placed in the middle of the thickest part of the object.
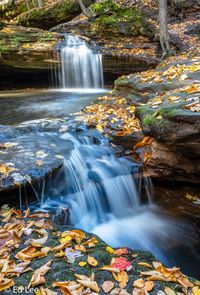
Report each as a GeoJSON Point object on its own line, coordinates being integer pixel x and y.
{"type": "Point", "coordinates": [11, 9]}
{"type": "Point", "coordinates": [49, 16]}
{"type": "Point", "coordinates": [168, 107]}
{"type": "Point", "coordinates": [110, 16]}
{"type": "Point", "coordinates": [64, 256]}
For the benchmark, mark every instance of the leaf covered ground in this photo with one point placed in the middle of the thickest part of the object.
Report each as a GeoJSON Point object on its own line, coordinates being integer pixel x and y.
{"type": "Point", "coordinates": [62, 260]}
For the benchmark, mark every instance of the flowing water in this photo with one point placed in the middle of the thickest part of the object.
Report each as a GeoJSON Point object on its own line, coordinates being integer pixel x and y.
{"type": "Point", "coordinates": [81, 67]}
{"type": "Point", "coordinates": [102, 193]}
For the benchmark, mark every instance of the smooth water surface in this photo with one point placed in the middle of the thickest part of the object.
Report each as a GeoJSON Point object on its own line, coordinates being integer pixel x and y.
{"type": "Point", "coordinates": [20, 106]}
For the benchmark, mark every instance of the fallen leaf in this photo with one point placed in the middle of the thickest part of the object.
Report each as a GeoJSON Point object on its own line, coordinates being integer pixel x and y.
{"type": "Point", "coordinates": [139, 283]}
{"type": "Point", "coordinates": [169, 291]}
{"type": "Point", "coordinates": [121, 251]}
{"type": "Point", "coordinates": [6, 284]}
{"type": "Point", "coordinates": [144, 264]}
{"type": "Point", "coordinates": [92, 261]}
{"type": "Point", "coordinates": [110, 250]}
{"type": "Point", "coordinates": [108, 286]}
{"type": "Point", "coordinates": [38, 276]}
{"type": "Point", "coordinates": [90, 284]}
{"type": "Point", "coordinates": [120, 263]}
{"type": "Point", "coordinates": [196, 290]}
{"type": "Point", "coordinates": [82, 263]}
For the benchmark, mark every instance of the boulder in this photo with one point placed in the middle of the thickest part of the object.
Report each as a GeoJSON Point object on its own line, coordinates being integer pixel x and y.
{"type": "Point", "coordinates": [168, 107]}
{"type": "Point", "coordinates": [51, 15]}
{"type": "Point", "coordinates": [29, 152]}
{"type": "Point", "coordinates": [63, 257]}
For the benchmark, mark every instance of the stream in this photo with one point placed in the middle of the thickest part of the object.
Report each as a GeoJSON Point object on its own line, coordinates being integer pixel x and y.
{"type": "Point", "coordinates": [102, 193]}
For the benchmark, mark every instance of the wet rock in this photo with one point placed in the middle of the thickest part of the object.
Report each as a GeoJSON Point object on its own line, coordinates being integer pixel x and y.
{"type": "Point", "coordinates": [25, 53]}
{"type": "Point", "coordinates": [31, 152]}
{"type": "Point", "coordinates": [66, 264]}
{"type": "Point", "coordinates": [168, 107]}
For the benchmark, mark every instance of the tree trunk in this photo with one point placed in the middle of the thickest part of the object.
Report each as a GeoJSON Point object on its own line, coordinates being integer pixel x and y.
{"type": "Point", "coordinates": [85, 10]}
{"type": "Point", "coordinates": [164, 35]}
{"type": "Point", "coordinates": [27, 4]}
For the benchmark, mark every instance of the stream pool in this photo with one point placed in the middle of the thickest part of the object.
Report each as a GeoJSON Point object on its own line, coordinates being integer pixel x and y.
{"type": "Point", "coordinates": [24, 105]}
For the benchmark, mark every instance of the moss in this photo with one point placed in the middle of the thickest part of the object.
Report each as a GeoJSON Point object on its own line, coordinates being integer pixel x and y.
{"type": "Point", "coordinates": [104, 7]}
{"type": "Point", "coordinates": [9, 11]}
{"type": "Point", "coordinates": [149, 120]}
{"type": "Point", "coordinates": [110, 15]}
{"type": "Point", "coordinates": [47, 17]}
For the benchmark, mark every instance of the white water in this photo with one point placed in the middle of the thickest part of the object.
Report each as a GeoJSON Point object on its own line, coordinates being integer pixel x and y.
{"type": "Point", "coordinates": [103, 197]}
{"type": "Point", "coordinates": [81, 67]}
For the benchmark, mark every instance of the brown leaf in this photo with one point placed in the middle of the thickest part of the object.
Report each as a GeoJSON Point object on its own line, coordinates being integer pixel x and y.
{"type": "Point", "coordinates": [38, 276]}
{"type": "Point", "coordinates": [90, 284]}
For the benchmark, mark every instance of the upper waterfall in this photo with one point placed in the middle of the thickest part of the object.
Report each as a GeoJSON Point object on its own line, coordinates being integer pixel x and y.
{"type": "Point", "coordinates": [81, 67]}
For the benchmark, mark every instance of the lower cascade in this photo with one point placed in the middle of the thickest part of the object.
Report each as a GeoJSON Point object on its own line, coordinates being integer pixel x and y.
{"type": "Point", "coordinates": [102, 194]}
{"type": "Point", "coordinates": [81, 67]}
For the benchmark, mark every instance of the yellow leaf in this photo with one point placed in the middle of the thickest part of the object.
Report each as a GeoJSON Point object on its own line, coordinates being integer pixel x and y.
{"type": "Point", "coordinates": [99, 128]}
{"type": "Point", "coordinates": [147, 140]}
{"type": "Point", "coordinates": [5, 170]}
{"type": "Point", "coordinates": [144, 264]}
{"type": "Point", "coordinates": [148, 286]}
{"type": "Point", "coordinates": [29, 253]}
{"type": "Point", "coordinates": [6, 284]}
{"type": "Point", "coordinates": [169, 291]}
{"type": "Point", "coordinates": [65, 239]}
{"type": "Point", "coordinates": [60, 254]}
{"type": "Point", "coordinates": [92, 261]}
{"type": "Point", "coordinates": [90, 284]}
{"type": "Point", "coordinates": [139, 283]}
{"type": "Point", "coordinates": [110, 250]}
{"type": "Point", "coordinates": [82, 263]}
{"type": "Point", "coordinates": [80, 248]}
{"type": "Point", "coordinates": [120, 101]}
{"type": "Point", "coordinates": [123, 279]}
{"type": "Point", "coordinates": [196, 290]}
{"type": "Point", "coordinates": [91, 242]}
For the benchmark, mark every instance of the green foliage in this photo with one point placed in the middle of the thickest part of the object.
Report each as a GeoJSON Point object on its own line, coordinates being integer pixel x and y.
{"type": "Point", "coordinates": [45, 18]}
{"type": "Point", "coordinates": [9, 11]}
{"type": "Point", "coordinates": [105, 7]}
{"type": "Point", "coordinates": [3, 47]}
{"type": "Point", "coordinates": [149, 120]}
{"type": "Point", "coordinates": [110, 14]}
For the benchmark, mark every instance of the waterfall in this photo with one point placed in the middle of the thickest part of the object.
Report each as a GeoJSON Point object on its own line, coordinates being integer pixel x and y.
{"type": "Point", "coordinates": [81, 67]}
{"type": "Point", "coordinates": [102, 194]}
